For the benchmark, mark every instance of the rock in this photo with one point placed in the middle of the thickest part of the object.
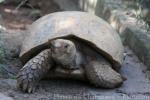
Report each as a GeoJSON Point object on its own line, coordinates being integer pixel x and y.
{"type": "Point", "coordinates": [8, 84]}
{"type": "Point", "coordinates": [2, 28]}
{"type": "Point", "coordinates": [4, 97]}
{"type": "Point", "coordinates": [7, 71]}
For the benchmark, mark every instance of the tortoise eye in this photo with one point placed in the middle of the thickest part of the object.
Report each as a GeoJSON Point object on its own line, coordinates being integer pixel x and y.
{"type": "Point", "coordinates": [66, 46]}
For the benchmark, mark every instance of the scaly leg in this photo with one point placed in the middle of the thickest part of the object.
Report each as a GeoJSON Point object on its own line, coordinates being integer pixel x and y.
{"type": "Point", "coordinates": [34, 70]}
{"type": "Point", "coordinates": [101, 74]}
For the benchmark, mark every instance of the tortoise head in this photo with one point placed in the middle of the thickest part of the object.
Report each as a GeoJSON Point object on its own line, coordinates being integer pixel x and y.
{"type": "Point", "coordinates": [63, 52]}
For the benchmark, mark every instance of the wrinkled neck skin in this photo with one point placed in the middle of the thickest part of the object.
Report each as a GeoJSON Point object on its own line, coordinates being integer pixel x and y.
{"type": "Point", "coordinates": [68, 66]}
{"type": "Point", "coordinates": [70, 61]}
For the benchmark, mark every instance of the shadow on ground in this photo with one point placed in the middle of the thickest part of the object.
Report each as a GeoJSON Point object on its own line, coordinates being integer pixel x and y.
{"type": "Point", "coordinates": [137, 85]}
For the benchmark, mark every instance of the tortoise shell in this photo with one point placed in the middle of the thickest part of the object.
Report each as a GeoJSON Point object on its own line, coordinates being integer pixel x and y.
{"type": "Point", "coordinates": [89, 28]}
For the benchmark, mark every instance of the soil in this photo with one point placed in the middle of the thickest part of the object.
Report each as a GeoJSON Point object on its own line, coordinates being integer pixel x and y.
{"type": "Point", "coordinates": [20, 18]}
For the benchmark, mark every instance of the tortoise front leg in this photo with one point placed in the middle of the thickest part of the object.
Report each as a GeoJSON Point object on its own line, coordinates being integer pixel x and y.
{"type": "Point", "coordinates": [101, 74]}
{"type": "Point", "coordinates": [34, 70]}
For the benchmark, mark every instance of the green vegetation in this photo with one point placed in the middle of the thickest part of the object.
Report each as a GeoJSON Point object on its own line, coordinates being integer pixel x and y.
{"type": "Point", "coordinates": [2, 54]}
{"type": "Point", "coordinates": [143, 12]}
{"type": "Point", "coordinates": [2, 50]}
{"type": "Point", "coordinates": [5, 72]}
{"type": "Point", "coordinates": [2, 1]}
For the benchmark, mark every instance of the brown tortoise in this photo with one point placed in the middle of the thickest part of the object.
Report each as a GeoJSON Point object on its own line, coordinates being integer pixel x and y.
{"type": "Point", "coordinates": [71, 44]}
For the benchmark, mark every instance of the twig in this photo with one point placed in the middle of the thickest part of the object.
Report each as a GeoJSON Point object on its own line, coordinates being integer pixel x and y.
{"type": "Point", "coordinates": [22, 3]}
{"type": "Point", "coordinates": [28, 4]}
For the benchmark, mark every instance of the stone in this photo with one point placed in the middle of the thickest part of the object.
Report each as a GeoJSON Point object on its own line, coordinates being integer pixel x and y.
{"type": "Point", "coordinates": [4, 97]}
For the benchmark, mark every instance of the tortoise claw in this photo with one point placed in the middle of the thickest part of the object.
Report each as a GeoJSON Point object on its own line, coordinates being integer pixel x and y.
{"type": "Point", "coordinates": [25, 82]}
{"type": "Point", "coordinates": [31, 73]}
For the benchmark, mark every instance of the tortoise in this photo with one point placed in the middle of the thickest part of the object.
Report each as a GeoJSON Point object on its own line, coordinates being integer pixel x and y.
{"type": "Point", "coordinates": [71, 45]}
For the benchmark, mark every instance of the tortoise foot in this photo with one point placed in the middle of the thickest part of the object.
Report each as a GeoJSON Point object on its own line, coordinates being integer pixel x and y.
{"type": "Point", "coordinates": [102, 75]}
{"type": "Point", "coordinates": [33, 71]}
{"type": "Point", "coordinates": [26, 79]}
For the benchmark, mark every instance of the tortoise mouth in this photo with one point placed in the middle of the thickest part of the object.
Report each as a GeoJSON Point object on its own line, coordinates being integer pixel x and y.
{"type": "Point", "coordinates": [35, 50]}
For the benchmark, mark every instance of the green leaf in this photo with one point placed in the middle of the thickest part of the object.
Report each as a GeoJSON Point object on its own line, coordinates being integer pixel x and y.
{"type": "Point", "coordinates": [2, 1]}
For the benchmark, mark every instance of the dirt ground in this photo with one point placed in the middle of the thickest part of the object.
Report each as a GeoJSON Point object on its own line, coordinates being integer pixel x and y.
{"type": "Point", "coordinates": [19, 18]}
{"type": "Point", "coordinates": [136, 86]}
